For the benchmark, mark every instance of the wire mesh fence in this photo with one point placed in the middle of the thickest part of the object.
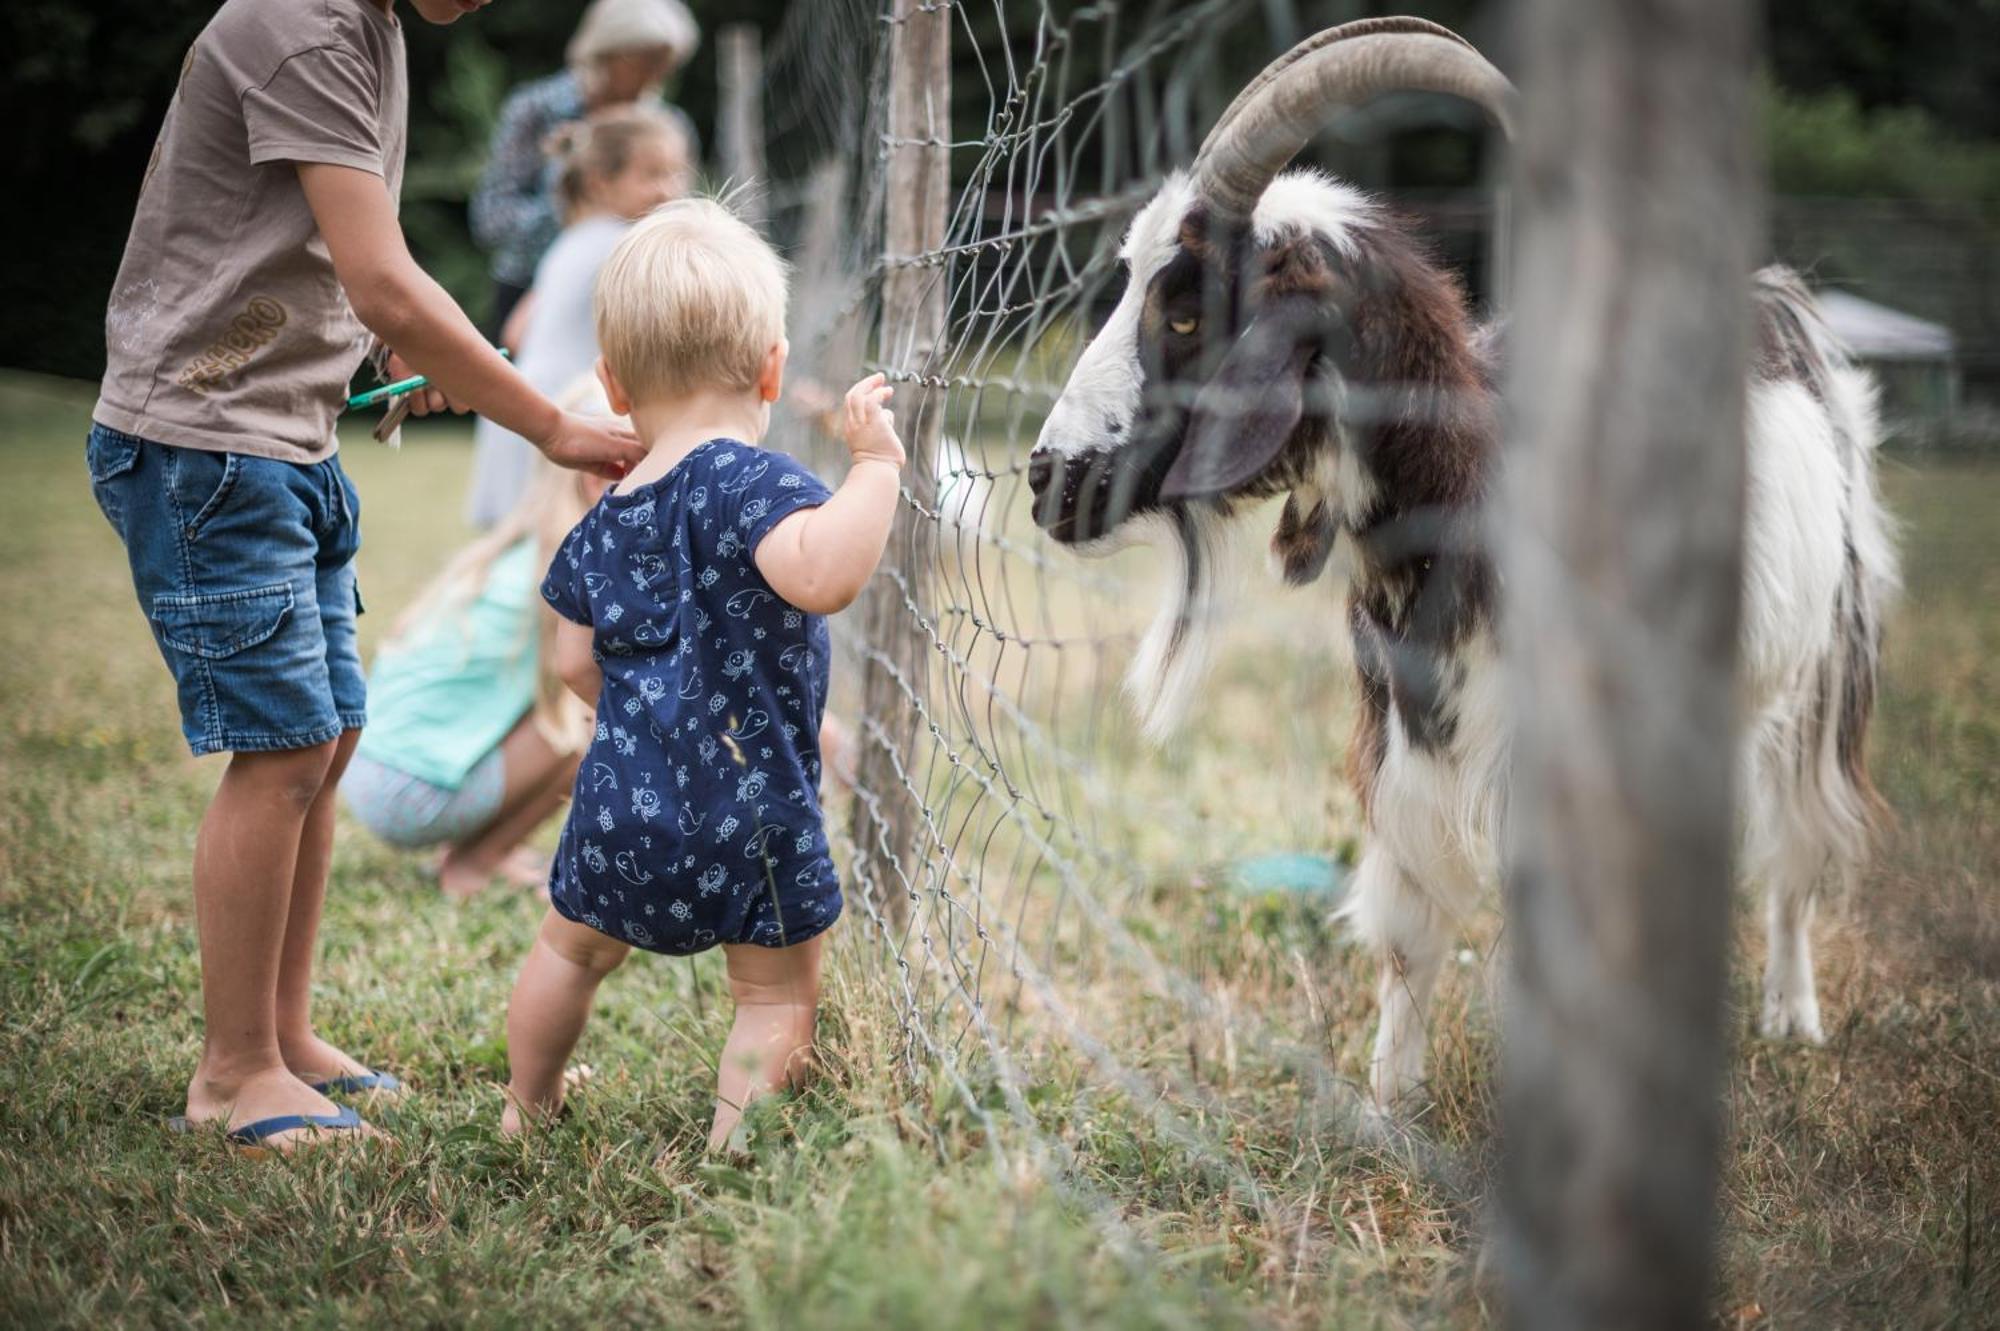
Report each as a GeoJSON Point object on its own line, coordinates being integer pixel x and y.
{"type": "Point", "coordinates": [1046, 897]}
{"type": "Point", "coordinates": [1039, 885]}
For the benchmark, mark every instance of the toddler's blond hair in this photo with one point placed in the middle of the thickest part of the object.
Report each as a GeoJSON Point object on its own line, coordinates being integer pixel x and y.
{"type": "Point", "coordinates": [692, 298]}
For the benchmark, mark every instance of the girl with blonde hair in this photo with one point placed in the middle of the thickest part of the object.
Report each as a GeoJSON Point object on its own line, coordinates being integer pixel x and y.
{"type": "Point", "coordinates": [611, 169]}
{"type": "Point", "coordinates": [624, 52]}
{"type": "Point", "coordinates": [473, 741]}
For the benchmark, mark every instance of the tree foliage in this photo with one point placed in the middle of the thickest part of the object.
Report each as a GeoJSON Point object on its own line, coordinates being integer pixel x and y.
{"type": "Point", "coordinates": [1879, 98]}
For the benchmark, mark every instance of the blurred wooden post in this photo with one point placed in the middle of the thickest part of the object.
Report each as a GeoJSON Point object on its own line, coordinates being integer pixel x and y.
{"type": "Point", "coordinates": [1637, 209]}
{"type": "Point", "coordinates": [916, 196]}
{"type": "Point", "coordinates": [739, 130]}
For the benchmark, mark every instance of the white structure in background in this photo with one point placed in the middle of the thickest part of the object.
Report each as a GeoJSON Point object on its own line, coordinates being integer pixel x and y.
{"type": "Point", "coordinates": [1915, 360]}
{"type": "Point", "coordinates": [963, 485]}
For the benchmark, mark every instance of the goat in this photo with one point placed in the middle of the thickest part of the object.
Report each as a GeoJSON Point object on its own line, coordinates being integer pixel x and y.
{"type": "Point", "coordinates": [1283, 333]}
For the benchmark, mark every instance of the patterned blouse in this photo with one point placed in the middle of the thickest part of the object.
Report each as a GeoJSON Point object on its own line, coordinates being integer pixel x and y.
{"type": "Point", "coordinates": [513, 211]}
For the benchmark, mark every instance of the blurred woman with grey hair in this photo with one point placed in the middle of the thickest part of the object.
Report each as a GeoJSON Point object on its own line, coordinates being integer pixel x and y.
{"type": "Point", "coordinates": [623, 51]}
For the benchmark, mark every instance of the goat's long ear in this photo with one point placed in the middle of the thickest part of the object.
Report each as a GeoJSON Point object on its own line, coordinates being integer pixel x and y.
{"type": "Point", "coordinates": [1248, 409]}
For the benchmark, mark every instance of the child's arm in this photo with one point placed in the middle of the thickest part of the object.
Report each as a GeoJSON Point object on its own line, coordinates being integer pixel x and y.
{"type": "Point", "coordinates": [819, 559]}
{"type": "Point", "coordinates": [403, 306]}
{"type": "Point", "coordinates": [574, 664]}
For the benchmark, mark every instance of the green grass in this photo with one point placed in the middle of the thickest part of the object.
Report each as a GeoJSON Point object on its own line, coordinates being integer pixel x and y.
{"type": "Point", "coordinates": [1204, 1188]}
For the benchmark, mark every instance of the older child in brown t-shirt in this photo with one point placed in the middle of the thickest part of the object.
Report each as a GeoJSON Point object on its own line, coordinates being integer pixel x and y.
{"type": "Point", "coordinates": [264, 259]}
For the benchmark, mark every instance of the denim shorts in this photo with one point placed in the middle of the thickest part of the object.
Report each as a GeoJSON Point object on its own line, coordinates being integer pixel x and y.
{"type": "Point", "coordinates": [411, 813]}
{"type": "Point", "coordinates": [245, 569]}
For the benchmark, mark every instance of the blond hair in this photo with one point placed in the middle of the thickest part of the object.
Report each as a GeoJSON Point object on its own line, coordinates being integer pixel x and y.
{"type": "Point", "coordinates": [554, 502]}
{"type": "Point", "coordinates": [692, 298]}
{"type": "Point", "coordinates": [604, 145]}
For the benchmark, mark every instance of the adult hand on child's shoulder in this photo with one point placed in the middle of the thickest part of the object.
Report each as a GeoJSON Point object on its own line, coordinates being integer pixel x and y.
{"type": "Point", "coordinates": [868, 425]}
{"type": "Point", "coordinates": [602, 447]}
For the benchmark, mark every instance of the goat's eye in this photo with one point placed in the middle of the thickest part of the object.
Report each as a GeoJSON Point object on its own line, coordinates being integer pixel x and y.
{"type": "Point", "coordinates": [1184, 327]}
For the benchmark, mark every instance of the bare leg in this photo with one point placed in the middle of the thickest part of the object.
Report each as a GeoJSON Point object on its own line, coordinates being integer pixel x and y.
{"type": "Point", "coordinates": [536, 781]}
{"type": "Point", "coordinates": [1395, 917]}
{"type": "Point", "coordinates": [471, 866]}
{"type": "Point", "coordinates": [546, 1016]}
{"type": "Point", "coordinates": [770, 1043]}
{"type": "Point", "coordinates": [1791, 1004]}
{"type": "Point", "coordinates": [246, 861]}
{"type": "Point", "coordinates": [308, 1056]}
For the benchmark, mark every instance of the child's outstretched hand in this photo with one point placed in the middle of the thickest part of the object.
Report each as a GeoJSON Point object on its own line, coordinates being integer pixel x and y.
{"type": "Point", "coordinates": [868, 425]}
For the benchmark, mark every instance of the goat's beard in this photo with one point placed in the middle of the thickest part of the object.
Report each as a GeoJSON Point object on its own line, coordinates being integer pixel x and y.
{"type": "Point", "coordinates": [1173, 654]}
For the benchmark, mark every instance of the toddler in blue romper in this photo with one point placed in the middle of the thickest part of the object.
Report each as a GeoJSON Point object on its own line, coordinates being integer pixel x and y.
{"type": "Point", "coordinates": [696, 817]}
{"type": "Point", "coordinates": [692, 603]}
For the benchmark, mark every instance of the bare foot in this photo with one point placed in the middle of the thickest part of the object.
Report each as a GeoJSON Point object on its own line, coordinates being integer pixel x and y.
{"type": "Point", "coordinates": [461, 878]}
{"type": "Point", "coordinates": [271, 1093]}
{"type": "Point", "coordinates": [312, 1059]}
{"type": "Point", "coordinates": [518, 1116]}
{"type": "Point", "coordinates": [526, 867]}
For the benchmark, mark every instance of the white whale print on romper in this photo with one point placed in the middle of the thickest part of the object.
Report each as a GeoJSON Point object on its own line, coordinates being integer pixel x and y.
{"type": "Point", "coordinates": [744, 479]}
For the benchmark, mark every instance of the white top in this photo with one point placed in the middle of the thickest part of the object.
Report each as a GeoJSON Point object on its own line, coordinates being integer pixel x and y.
{"type": "Point", "coordinates": [558, 346]}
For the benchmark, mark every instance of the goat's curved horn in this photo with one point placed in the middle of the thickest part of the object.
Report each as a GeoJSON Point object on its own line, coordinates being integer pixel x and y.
{"type": "Point", "coordinates": [1282, 108]}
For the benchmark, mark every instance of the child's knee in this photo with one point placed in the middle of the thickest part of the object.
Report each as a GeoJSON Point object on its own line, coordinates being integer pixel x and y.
{"type": "Point", "coordinates": [582, 946]}
{"type": "Point", "coordinates": [774, 976]}
{"type": "Point", "coordinates": [296, 775]}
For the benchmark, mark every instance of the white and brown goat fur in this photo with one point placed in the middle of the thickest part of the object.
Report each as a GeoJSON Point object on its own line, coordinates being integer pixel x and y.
{"type": "Point", "coordinates": [1349, 375]}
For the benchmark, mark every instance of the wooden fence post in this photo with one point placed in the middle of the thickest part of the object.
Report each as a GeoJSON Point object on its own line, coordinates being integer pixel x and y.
{"type": "Point", "coordinates": [1637, 213]}
{"type": "Point", "coordinates": [916, 197]}
{"type": "Point", "coordinates": [739, 130]}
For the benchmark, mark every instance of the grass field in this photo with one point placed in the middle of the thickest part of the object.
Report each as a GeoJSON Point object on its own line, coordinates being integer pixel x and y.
{"type": "Point", "coordinates": [1862, 1185]}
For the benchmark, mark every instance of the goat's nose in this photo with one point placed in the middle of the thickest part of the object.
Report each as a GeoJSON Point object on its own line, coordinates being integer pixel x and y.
{"type": "Point", "coordinates": [1041, 470]}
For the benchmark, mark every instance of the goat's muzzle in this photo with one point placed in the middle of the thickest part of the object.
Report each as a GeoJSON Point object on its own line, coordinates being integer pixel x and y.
{"type": "Point", "coordinates": [1082, 497]}
{"type": "Point", "coordinates": [1042, 465]}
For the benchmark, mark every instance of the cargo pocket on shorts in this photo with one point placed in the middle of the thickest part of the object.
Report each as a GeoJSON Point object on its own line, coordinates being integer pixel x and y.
{"type": "Point", "coordinates": [214, 627]}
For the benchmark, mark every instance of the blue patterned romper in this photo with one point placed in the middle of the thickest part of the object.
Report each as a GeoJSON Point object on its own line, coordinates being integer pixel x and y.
{"type": "Point", "coordinates": [696, 817]}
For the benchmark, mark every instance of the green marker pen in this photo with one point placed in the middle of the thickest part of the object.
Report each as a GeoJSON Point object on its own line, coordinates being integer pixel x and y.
{"type": "Point", "coordinates": [409, 385]}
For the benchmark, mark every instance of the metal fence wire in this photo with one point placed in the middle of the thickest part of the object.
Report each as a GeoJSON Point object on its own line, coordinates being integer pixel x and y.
{"type": "Point", "coordinates": [1038, 883]}
{"type": "Point", "coordinates": [1051, 899]}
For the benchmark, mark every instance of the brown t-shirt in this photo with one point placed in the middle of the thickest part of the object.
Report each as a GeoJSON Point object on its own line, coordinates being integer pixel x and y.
{"type": "Point", "coordinates": [227, 328]}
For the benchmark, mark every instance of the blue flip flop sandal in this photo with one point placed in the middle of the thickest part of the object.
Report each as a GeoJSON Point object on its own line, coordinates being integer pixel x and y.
{"type": "Point", "coordinates": [255, 1134]}
{"type": "Point", "coordinates": [380, 1083]}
